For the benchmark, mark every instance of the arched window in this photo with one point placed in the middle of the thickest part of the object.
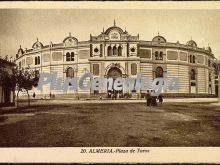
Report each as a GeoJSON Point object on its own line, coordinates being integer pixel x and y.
{"type": "Point", "coordinates": [70, 72]}
{"type": "Point", "coordinates": [35, 60]}
{"type": "Point", "coordinates": [193, 74]}
{"type": "Point", "coordinates": [72, 56]}
{"type": "Point", "coordinates": [159, 72]}
{"type": "Point", "coordinates": [156, 55]}
{"type": "Point", "coordinates": [161, 56]}
{"type": "Point", "coordinates": [119, 51]}
{"type": "Point", "coordinates": [109, 51]}
{"type": "Point", "coordinates": [210, 89]}
{"type": "Point", "coordinates": [38, 60]}
{"type": "Point", "coordinates": [210, 77]}
{"type": "Point", "coordinates": [67, 56]}
{"type": "Point", "coordinates": [194, 59]}
{"type": "Point", "coordinates": [114, 50]}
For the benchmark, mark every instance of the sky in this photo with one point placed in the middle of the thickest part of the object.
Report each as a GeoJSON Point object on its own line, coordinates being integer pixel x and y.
{"type": "Point", "coordinates": [24, 26]}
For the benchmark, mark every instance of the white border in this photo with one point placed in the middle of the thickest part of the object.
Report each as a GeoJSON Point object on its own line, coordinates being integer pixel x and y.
{"type": "Point", "coordinates": [156, 154]}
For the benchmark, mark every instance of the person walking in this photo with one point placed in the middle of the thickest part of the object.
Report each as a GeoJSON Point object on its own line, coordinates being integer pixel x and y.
{"type": "Point", "coordinates": [148, 98]}
{"type": "Point", "coordinates": [34, 95]}
{"type": "Point", "coordinates": [160, 98]}
{"type": "Point", "coordinates": [154, 100]}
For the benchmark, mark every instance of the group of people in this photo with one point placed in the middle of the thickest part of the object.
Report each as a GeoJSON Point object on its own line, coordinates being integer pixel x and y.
{"type": "Point", "coordinates": [152, 100]}
{"type": "Point", "coordinates": [114, 95]}
{"type": "Point", "coordinates": [45, 96]}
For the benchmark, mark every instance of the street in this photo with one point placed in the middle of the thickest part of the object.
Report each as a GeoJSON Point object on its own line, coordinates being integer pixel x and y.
{"type": "Point", "coordinates": [111, 125]}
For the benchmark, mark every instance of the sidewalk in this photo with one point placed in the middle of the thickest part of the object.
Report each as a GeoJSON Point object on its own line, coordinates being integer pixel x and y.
{"type": "Point", "coordinates": [213, 101]}
{"type": "Point", "coordinates": [191, 100]}
{"type": "Point", "coordinates": [7, 108]}
{"type": "Point", "coordinates": [105, 101]}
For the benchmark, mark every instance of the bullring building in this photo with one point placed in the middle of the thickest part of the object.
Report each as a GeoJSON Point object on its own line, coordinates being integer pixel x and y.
{"type": "Point", "coordinates": [116, 53]}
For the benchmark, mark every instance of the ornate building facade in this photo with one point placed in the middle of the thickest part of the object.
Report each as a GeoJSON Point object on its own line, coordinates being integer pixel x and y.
{"type": "Point", "coordinates": [115, 53]}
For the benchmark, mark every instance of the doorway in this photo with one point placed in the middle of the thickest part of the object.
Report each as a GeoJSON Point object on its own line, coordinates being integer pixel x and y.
{"type": "Point", "coordinates": [114, 73]}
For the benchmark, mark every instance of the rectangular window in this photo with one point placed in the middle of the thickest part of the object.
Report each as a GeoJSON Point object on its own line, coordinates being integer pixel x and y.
{"type": "Point", "coordinates": [133, 69]}
{"type": "Point", "coordinates": [95, 69]}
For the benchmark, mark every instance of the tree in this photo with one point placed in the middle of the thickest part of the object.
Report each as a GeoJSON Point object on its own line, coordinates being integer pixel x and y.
{"type": "Point", "coordinates": [2, 82]}
{"type": "Point", "coordinates": [6, 81]}
{"type": "Point", "coordinates": [25, 79]}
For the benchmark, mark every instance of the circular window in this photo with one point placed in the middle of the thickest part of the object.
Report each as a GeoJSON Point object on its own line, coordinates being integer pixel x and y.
{"type": "Point", "coordinates": [96, 50]}
{"type": "Point", "coordinates": [133, 49]}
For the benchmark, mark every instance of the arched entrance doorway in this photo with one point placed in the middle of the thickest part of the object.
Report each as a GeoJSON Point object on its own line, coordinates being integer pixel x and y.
{"type": "Point", "coordinates": [193, 81]}
{"type": "Point", "coordinates": [114, 73]}
{"type": "Point", "coordinates": [159, 72]}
